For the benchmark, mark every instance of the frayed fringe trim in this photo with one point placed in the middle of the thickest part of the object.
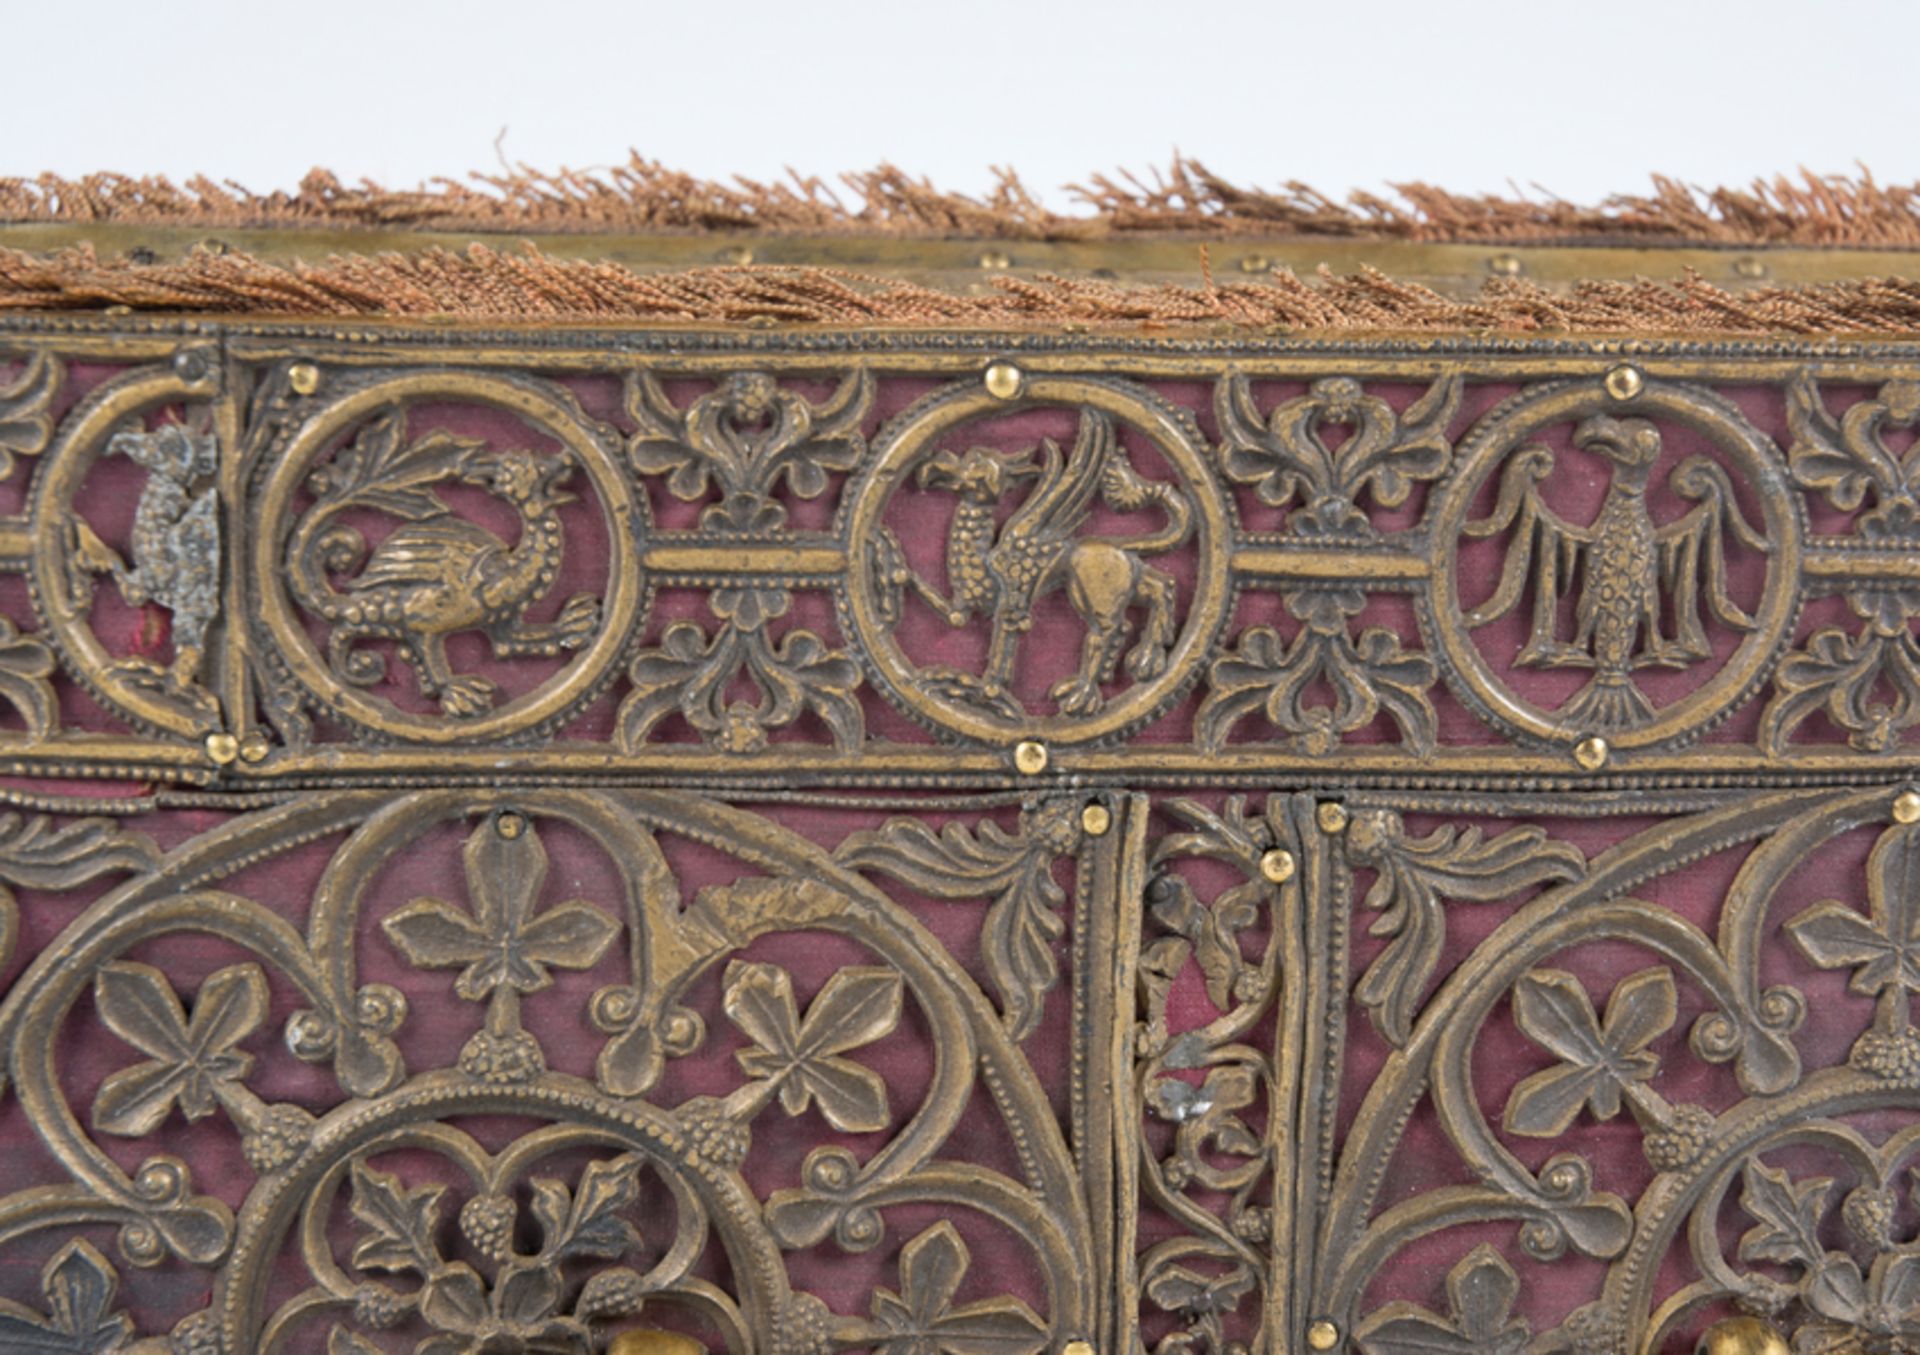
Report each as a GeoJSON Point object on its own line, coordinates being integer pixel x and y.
{"type": "Point", "coordinates": [481, 283]}
{"type": "Point", "coordinates": [644, 196]}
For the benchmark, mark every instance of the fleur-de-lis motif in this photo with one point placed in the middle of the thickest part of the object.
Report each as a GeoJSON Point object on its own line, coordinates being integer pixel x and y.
{"type": "Point", "coordinates": [1285, 455]}
{"type": "Point", "coordinates": [696, 675]}
{"type": "Point", "coordinates": [79, 1285]}
{"type": "Point", "coordinates": [1364, 675]}
{"type": "Point", "coordinates": [1600, 1060]}
{"type": "Point", "coordinates": [1848, 675]}
{"type": "Point", "coordinates": [194, 1060]}
{"type": "Point", "coordinates": [1883, 948]}
{"type": "Point", "coordinates": [1480, 1294]}
{"type": "Point", "coordinates": [802, 1060]}
{"type": "Point", "coordinates": [921, 1320]}
{"type": "Point", "coordinates": [746, 435]}
{"type": "Point", "coordinates": [25, 424]}
{"type": "Point", "coordinates": [502, 944]}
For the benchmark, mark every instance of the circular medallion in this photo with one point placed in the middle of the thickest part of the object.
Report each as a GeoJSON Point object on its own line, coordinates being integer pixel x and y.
{"type": "Point", "coordinates": [1046, 564]}
{"type": "Point", "coordinates": [126, 520]}
{"type": "Point", "coordinates": [1613, 569]}
{"type": "Point", "coordinates": [450, 552]}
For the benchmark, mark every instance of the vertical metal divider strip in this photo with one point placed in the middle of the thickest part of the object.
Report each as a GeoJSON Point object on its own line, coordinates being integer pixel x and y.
{"type": "Point", "coordinates": [1113, 948]}
{"type": "Point", "coordinates": [1291, 1127]}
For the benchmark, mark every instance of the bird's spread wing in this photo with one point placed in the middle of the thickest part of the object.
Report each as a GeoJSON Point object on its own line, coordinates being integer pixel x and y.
{"type": "Point", "coordinates": [1064, 496]}
{"type": "Point", "coordinates": [1693, 552]}
{"type": "Point", "coordinates": [1544, 545]}
{"type": "Point", "coordinates": [441, 551]}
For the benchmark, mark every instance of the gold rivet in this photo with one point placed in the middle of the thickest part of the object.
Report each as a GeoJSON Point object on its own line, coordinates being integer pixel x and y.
{"type": "Point", "coordinates": [222, 748]}
{"type": "Point", "coordinates": [1506, 266]}
{"type": "Point", "coordinates": [1623, 382]}
{"type": "Point", "coordinates": [1077, 1348]}
{"type": "Point", "coordinates": [1906, 807]}
{"type": "Point", "coordinates": [995, 258]}
{"type": "Point", "coordinates": [1030, 757]}
{"type": "Point", "coordinates": [304, 377]}
{"type": "Point", "coordinates": [738, 255]}
{"type": "Point", "coordinates": [1591, 752]}
{"type": "Point", "coordinates": [1742, 1336]}
{"type": "Point", "coordinates": [655, 1343]}
{"type": "Point", "coordinates": [1096, 818]}
{"type": "Point", "coordinates": [1277, 865]}
{"type": "Point", "coordinates": [1323, 1334]}
{"type": "Point", "coordinates": [254, 748]}
{"type": "Point", "coordinates": [1256, 263]}
{"type": "Point", "coordinates": [1749, 267]}
{"type": "Point", "coordinates": [1004, 380]}
{"type": "Point", "coordinates": [1331, 817]}
{"type": "Point", "coordinates": [509, 825]}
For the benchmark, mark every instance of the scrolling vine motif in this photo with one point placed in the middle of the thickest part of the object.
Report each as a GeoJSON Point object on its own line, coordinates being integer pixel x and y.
{"type": "Point", "coordinates": [593, 1259]}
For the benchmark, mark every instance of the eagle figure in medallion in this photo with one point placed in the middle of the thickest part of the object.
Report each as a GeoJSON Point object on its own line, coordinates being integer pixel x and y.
{"type": "Point", "coordinates": [1633, 575]}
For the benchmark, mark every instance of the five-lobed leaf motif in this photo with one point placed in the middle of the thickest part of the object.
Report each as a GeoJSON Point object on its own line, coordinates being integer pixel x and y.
{"type": "Point", "coordinates": [503, 943]}
{"type": "Point", "coordinates": [1599, 1060]}
{"type": "Point", "coordinates": [803, 1059]}
{"type": "Point", "coordinates": [194, 1061]}
{"type": "Point", "coordinates": [79, 1285]}
{"type": "Point", "coordinates": [921, 1319]}
{"type": "Point", "coordinates": [1883, 947]}
{"type": "Point", "coordinates": [1481, 1290]}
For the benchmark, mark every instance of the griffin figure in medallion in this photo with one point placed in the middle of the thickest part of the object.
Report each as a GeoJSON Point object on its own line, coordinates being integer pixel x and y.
{"type": "Point", "coordinates": [1629, 570]}
{"type": "Point", "coordinates": [1000, 570]}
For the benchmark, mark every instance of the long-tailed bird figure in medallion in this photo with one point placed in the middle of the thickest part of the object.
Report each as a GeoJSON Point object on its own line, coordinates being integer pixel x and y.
{"type": "Point", "coordinates": [1629, 571]}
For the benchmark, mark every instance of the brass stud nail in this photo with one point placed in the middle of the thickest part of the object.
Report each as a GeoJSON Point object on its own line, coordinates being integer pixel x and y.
{"type": "Point", "coordinates": [1077, 1348]}
{"type": "Point", "coordinates": [1256, 263]}
{"type": "Point", "coordinates": [1623, 382]}
{"type": "Point", "coordinates": [1505, 265]}
{"type": "Point", "coordinates": [1277, 865]}
{"type": "Point", "coordinates": [1331, 817]}
{"type": "Point", "coordinates": [995, 259]}
{"type": "Point", "coordinates": [304, 377]}
{"type": "Point", "coordinates": [1004, 380]}
{"type": "Point", "coordinates": [1742, 1336]}
{"type": "Point", "coordinates": [738, 255]}
{"type": "Point", "coordinates": [1096, 818]}
{"type": "Point", "coordinates": [509, 825]}
{"type": "Point", "coordinates": [1591, 752]}
{"type": "Point", "coordinates": [254, 748]}
{"type": "Point", "coordinates": [1030, 757]}
{"type": "Point", "coordinates": [1323, 1334]}
{"type": "Point", "coordinates": [1906, 807]}
{"type": "Point", "coordinates": [1749, 267]}
{"type": "Point", "coordinates": [222, 748]}
{"type": "Point", "coordinates": [655, 1343]}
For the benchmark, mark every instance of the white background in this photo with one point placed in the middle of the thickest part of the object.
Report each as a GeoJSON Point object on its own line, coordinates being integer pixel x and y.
{"type": "Point", "coordinates": [1581, 99]}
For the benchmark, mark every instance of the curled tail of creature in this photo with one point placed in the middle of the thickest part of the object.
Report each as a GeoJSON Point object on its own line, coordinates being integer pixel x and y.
{"type": "Point", "coordinates": [314, 555]}
{"type": "Point", "coordinates": [1126, 489]}
{"type": "Point", "coordinates": [1608, 701]}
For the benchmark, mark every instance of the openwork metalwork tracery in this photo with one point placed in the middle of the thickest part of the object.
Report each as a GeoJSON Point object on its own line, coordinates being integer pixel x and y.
{"type": "Point", "coordinates": [954, 844]}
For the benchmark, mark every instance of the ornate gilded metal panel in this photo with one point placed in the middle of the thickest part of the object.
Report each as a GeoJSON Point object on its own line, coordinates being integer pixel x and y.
{"type": "Point", "coordinates": [954, 843]}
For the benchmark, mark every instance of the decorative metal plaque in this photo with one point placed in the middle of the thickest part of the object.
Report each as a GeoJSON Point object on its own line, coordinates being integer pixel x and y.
{"type": "Point", "coordinates": [954, 844]}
